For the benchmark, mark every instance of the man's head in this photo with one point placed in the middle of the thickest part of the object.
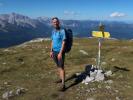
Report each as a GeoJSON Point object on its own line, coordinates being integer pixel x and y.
{"type": "Point", "coordinates": [56, 22]}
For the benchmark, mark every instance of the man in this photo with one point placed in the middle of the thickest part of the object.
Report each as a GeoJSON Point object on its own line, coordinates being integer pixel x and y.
{"type": "Point", "coordinates": [57, 50]}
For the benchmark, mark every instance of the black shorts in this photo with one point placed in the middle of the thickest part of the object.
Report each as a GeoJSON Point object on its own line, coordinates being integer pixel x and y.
{"type": "Point", "coordinates": [59, 63]}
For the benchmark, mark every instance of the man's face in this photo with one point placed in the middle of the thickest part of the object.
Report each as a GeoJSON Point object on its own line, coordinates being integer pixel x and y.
{"type": "Point", "coordinates": [56, 23]}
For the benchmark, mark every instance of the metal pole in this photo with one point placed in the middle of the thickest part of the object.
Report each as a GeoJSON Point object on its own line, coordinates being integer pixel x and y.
{"type": "Point", "coordinates": [99, 54]}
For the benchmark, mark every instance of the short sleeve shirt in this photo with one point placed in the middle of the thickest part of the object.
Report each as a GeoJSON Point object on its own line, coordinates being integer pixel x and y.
{"type": "Point", "coordinates": [57, 38]}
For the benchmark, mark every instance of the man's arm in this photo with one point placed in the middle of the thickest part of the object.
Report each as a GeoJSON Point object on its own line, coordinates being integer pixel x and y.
{"type": "Point", "coordinates": [62, 47]}
{"type": "Point", "coordinates": [62, 50]}
{"type": "Point", "coordinates": [63, 42]}
{"type": "Point", "coordinates": [51, 50]}
{"type": "Point", "coordinates": [51, 47]}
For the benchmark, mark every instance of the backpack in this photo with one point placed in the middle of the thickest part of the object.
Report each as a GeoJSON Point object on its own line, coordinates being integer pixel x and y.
{"type": "Point", "coordinates": [69, 40]}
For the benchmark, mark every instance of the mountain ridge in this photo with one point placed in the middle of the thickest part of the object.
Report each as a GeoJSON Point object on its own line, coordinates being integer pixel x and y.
{"type": "Point", "coordinates": [17, 28]}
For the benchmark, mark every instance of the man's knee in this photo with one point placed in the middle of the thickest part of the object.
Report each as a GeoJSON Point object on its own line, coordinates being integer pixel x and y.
{"type": "Point", "coordinates": [61, 69]}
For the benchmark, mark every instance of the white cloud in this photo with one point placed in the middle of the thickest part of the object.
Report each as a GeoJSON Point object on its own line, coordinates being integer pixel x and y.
{"type": "Point", "coordinates": [71, 13]}
{"type": "Point", "coordinates": [117, 14]}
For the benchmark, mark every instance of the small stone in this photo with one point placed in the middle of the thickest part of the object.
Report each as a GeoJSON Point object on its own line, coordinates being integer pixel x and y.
{"type": "Point", "coordinates": [113, 59]}
{"type": "Point", "coordinates": [22, 62]}
{"type": "Point", "coordinates": [83, 52]}
{"type": "Point", "coordinates": [88, 90]}
{"type": "Point", "coordinates": [120, 76]}
{"type": "Point", "coordinates": [103, 63]}
{"type": "Point", "coordinates": [88, 79]}
{"type": "Point", "coordinates": [99, 76]}
{"type": "Point", "coordinates": [129, 87]}
{"type": "Point", "coordinates": [77, 97]}
{"type": "Point", "coordinates": [20, 91]}
{"type": "Point", "coordinates": [11, 93]}
{"type": "Point", "coordinates": [117, 98]}
{"type": "Point", "coordinates": [119, 52]}
{"type": "Point", "coordinates": [94, 59]}
{"type": "Point", "coordinates": [109, 81]}
{"type": "Point", "coordinates": [90, 99]}
{"type": "Point", "coordinates": [99, 86]}
{"type": "Point", "coordinates": [77, 74]}
{"type": "Point", "coordinates": [116, 91]}
{"type": "Point", "coordinates": [108, 87]}
{"type": "Point", "coordinates": [2, 88]}
{"type": "Point", "coordinates": [5, 83]}
{"type": "Point", "coordinates": [108, 73]}
{"type": "Point", "coordinates": [7, 95]}
{"type": "Point", "coordinates": [4, 63]}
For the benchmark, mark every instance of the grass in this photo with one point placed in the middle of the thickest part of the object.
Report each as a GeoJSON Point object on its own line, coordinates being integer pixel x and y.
{"type": "Point", "coordinates": [31, 67]}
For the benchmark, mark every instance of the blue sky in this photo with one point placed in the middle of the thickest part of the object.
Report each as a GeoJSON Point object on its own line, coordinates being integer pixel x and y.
{"type": "Point", "coordinates": [120, 10]}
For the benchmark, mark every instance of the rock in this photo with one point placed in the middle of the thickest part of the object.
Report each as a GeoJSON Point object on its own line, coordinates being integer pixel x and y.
{"type": "Point", "coordinates": [2, 88]}
{"type": "Point", "coordinates": [6, 50]}
{"type": "Point", "coordinates": [4, 63]}
{"type": "Point", "coordinates": [20, 91]}
{"type": "Point", "coordinates": [88, 90]}
{"type": "Point", "coordinates": [96, 75]}
{"type": "Point", "coordinates": [93, 74]}
{"type": "Point", "coordinates": [94, 59]}
{"type": "Point", "coordinates": [99, 76]}
{"type": "Point", "coordinates": [108, 87]}
{"type": "Point", "coordinates": [92, 89]}
{"type": "Point", "coordinates": [83, 52]}
{"type": "Point", "coordinates": [129, 87]}
{"type": "Point", "coordinates": [99, 86]}
{"type": "Point", "coordinates": [109, 82]}
{"type": "Point", "coordinates": [117, 98]}
{"type": "Point", "coordinates": [120, 76]}
{"type": "Point", "coordinates": [77, 74]}
{"type": "Point", "coordinates": [8, 95]}
{"type": "Point", "coordinates": [5, 83]}
{"type": "Point", "coordinates": [11, 93]}
{"type": "Point", "coordinates": [116, 91]}
{"type": "Point", "coordinates": [5, 96]}
{"type": "Point", "coordinates": [90, 99]}
{"type": "Point", "coordinates": [103, 63]}
{"type": "Point", "coordinates": [113, 59]}
{"type": "Point", "coordinates": [88, 79]}
{"type": "Point", "coordinates": [119, 52]}
{"type": "Point", "coordinates": [108, 73]}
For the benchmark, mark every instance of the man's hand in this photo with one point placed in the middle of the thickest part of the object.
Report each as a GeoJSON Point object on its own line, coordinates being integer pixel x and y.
{"type": "Point", "coordinates": [51, 54]}
{"type": "Point", "coordinates": [59, 56]}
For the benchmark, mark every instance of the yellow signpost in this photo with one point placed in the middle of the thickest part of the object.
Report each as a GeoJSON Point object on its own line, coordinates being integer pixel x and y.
{"type": "Point", "coordinates": [100, 34]}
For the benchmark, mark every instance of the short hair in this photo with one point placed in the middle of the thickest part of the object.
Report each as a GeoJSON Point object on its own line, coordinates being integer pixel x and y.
{"type": "Point", "coordinates": [55, 18]}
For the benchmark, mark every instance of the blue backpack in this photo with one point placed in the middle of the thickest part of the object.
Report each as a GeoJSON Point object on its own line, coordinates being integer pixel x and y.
{"type": "Point", "coordinates": [69, 40]}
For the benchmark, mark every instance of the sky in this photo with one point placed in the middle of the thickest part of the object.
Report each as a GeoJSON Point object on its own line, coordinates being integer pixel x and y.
{"type": "Point", "coordinates": [120, 10]}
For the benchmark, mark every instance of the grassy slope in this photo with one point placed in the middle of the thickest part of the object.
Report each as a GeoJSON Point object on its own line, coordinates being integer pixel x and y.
{"type": "Point", "coordinates": [30, 67]}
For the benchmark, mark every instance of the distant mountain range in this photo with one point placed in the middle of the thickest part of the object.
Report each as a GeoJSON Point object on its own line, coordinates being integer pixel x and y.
{"type": "Point", "coordinates": [16, 28]}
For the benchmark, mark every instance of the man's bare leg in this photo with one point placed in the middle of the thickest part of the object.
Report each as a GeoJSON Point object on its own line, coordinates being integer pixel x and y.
{"type": "Point", "coordinates": [62, 75]}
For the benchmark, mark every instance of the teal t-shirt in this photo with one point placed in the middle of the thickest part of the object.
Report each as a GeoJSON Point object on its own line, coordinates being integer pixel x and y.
{"type": "Point", "coordinates": [57, 38]}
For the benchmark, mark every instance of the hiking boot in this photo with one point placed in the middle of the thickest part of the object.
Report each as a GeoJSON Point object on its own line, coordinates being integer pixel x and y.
{"type": "Point", "coordinates": [62, 88]}
{"type": "Point", "coordinates": [58, 81]}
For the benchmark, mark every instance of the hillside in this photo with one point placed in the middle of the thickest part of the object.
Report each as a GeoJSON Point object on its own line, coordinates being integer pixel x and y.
{"type": "Point", "coordinates": [29, 66]}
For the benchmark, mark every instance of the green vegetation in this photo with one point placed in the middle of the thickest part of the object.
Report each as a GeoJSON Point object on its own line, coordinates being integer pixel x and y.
{"type": "Point", "coordinates": [29, 66]}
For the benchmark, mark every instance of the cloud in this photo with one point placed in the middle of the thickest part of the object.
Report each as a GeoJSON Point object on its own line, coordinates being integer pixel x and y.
{"type": "Point", "coordinates": [71, 13]}
{"type": "Point", "coordinates": [117, 14]}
